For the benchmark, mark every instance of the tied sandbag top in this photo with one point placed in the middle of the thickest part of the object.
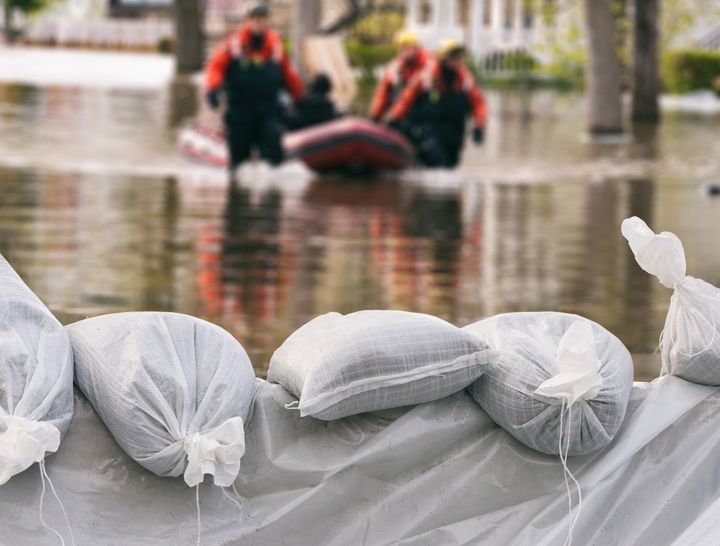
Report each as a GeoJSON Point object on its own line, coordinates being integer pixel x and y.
{"type": "Point", "coordinates": [577, 377]}
{"type": "Point", "coordinates": [174, 391]}
{"type": "Point", "coordinates": [660, 254]}
{"type": "Point", "coordinates": [532, 390]}
{"type": "Point", "coordinates": [36, 396]}
{"type": "Point", "coordinates": [690, 340]}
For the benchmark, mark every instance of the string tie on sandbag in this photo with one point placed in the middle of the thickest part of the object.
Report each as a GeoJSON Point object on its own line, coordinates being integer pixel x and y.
{"type": "Point", "coordinates": [23, 443]}
{"type": "Point", "coordinates": [199, 519]}
{"type": "Point", "coordinates": [577, 379]}
{"type": "Point", "coordinates": [43, 477]}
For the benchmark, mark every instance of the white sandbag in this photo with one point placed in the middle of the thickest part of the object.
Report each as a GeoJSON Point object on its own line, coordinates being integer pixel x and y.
{"type": "Point", "coordinates": [554, 372]}
{"type": "Point", "coordinates": [690, 341]}
{"type": "Point", "coordinates": [174, 391]}
{"type": "Point", "coordinates": [339, 365]}
{"type": "Point", "coordinates": [36, 374]}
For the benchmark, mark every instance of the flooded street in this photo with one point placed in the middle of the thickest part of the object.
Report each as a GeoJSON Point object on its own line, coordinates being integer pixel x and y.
{"type": "Point", "coordinates": [99, 214]}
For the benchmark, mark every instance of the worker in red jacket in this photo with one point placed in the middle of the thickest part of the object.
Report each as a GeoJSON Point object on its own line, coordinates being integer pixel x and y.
{"type": "Point", "coordinates": [443, 96]}
{"type": "Point", "coordinates": [251, 68]}
{"type": "Point", "coordinates": [411, 60]}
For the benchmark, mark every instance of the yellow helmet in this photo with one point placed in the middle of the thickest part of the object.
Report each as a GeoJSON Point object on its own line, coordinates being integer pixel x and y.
{"type": "Point", "coordinates": [406, 38]}
{"type": "Point", "coordinates": [450, 45]}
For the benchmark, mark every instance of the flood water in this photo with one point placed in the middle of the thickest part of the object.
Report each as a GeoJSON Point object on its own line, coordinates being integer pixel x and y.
{"type": "Point", "coordinates": [99, 214]}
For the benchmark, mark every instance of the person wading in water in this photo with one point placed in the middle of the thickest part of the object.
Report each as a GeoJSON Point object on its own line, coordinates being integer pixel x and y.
{"type": "Point", "coordinates": [252, 68]}
{"type": "Point", "coordinates": [441, 98]}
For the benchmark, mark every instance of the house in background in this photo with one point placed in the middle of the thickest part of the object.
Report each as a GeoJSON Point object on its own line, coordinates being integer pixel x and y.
{"type": "Point", "coordinates": [485, 26]}
{"type": "Point", "coordinates": [496, 27]}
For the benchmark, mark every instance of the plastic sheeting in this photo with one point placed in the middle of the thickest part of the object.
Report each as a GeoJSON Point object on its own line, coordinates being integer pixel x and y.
{"type": "Point", "coordinates": [436, 473]}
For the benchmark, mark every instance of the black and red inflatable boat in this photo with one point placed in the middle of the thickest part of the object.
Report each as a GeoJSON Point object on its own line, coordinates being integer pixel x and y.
{"type": "Point", "coordinates": [345, 144]}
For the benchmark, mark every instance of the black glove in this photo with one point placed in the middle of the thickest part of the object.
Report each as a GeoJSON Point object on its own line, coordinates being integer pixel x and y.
{"type": "Point", "coordinates": [394, 124]}
{"type": "Point", "coordinates": [478, 135]}
{"type": "Point", "coordinates": [213, 99]}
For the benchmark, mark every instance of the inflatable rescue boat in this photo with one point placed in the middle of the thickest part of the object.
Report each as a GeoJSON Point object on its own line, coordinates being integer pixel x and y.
{"type": "Point", "coordinates": [345, 144]}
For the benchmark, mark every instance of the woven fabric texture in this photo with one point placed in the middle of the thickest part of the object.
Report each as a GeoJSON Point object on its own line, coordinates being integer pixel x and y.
{"type": "Point", "coordinates": [339, 365]}
{"type": "Point", "coordinates": [158, 379]}
{"type": "Point", "coordinates": [36, 373]}
{"type": "Point", "coordinates": [526, 346]}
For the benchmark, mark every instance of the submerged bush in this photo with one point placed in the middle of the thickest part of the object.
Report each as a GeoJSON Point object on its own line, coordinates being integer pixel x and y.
{"type": "Point", "coordinates": [370, 42]}
{"type": "Point", "coordinates": [690, 70]}
{"type": "Point", "coordinates": [368, 56]}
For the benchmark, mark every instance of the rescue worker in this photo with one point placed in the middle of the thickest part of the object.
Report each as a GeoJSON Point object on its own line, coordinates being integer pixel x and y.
{"type": "Point", "coordinates": [410, 61]}
{"type": "Point", "coordinates": [315, 107]}
{"type": "Point", "coordinates": [252, 68]}
{"type": "Point", "coordinates": [442, 97]}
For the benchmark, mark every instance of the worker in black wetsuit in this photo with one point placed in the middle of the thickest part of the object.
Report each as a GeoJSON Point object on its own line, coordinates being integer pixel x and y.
{"type": "Point", "coordinates": [251, 68]}
{"type": "Point", "coordinates": [441, 99]}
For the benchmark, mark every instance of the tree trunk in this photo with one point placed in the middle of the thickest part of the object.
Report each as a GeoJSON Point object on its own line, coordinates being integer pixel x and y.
{"type": "Point", "coordinates": [189, 37]}
{"type": "Point", "coordinates": [604, 100]}
{"type": "Point", "coordinates": [306, 21]}
{"type": "Point", "coordinates": [8, 13]}
{"type": "Point", "coordinates": [646, 61]}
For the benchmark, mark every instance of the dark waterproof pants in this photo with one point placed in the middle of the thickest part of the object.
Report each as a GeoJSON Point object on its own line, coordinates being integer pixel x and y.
{"type": "Point", "coordinates": [246, 134]}
{"type": "Point", "coordinates": [438, 144]}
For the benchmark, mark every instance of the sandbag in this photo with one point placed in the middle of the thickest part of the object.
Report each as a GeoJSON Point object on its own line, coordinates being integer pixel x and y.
{"type": "Point", "coordinates": [690, 341]}
{"type": "Point", "coordinates": [339, 365]}
{"type": "Point", "coordinates": [36, 374]}
{"type": "Point", "coordinates": [554, 373]}
{"type": "Point", "coordinates": [173, 390]}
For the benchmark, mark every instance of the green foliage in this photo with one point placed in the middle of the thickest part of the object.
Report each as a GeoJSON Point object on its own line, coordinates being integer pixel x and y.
{"type": "Point", "coordinates": [515, 70]}
{"type": "Point", "coordinates": [287, 44]}
{"type": "Point", "coordinates": [378, 28]}
{"type": "Point", "coordinates": [548, 12]}
{"type": "Point", "coordinates": [689, 70]}
{"type": "Point", "coordinates": [679, 16]}
{"type": "Point", "coordinates": [371, 38]}
{"type": "Point", "coordinates": [29, 7]}
{"type": "Point", "coordinates": [520, 61]}
{"type": "Point", "coordinates": [369, 56]}
{"type": "Point", "coordinates": [566, 52]}
{"type": "Point", "coordinates": [624, 32]}
{"type": "Point", "coordinates": [165, 45]}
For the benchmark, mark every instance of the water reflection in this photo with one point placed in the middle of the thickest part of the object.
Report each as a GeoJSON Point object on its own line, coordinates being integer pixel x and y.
{"type": "Point", "coordinates": [184, 100]}
{"type": "Point", "coordinates": [262, 257]}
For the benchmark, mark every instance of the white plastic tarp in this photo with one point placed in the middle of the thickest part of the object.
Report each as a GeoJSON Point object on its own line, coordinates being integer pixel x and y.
{"type": "Point", "coordinates": [436, 473]}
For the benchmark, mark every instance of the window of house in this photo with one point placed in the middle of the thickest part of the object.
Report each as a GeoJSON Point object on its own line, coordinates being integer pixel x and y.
{"type": "Point", "coordinates": [426, 12]}
{"type": "Point", "coordinates": [509, 15]}
{"type": "Point", "coordinates": [464, 12]}
{"type": "Point", "coordinates": [486, 12]}
{"type": "Point", "coordinates": [528, 13]}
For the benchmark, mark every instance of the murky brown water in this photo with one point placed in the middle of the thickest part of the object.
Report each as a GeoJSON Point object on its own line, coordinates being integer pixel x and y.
{"type": "Point", "coordinates": [99, 215]}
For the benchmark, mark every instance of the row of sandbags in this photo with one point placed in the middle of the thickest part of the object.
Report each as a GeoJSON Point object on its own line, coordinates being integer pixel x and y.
{"type": "Point", "coordinates": [533, 373]}
{"type": "Point", "coordinates": [176, 391]}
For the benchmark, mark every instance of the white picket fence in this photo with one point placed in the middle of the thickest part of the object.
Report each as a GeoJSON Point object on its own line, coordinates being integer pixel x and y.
{"type": "Point", "coordinates": [132, 34]}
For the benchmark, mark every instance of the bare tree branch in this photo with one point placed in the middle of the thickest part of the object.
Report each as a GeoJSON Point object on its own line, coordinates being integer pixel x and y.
{"type": "Point", "coordinates": [357, 9]}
